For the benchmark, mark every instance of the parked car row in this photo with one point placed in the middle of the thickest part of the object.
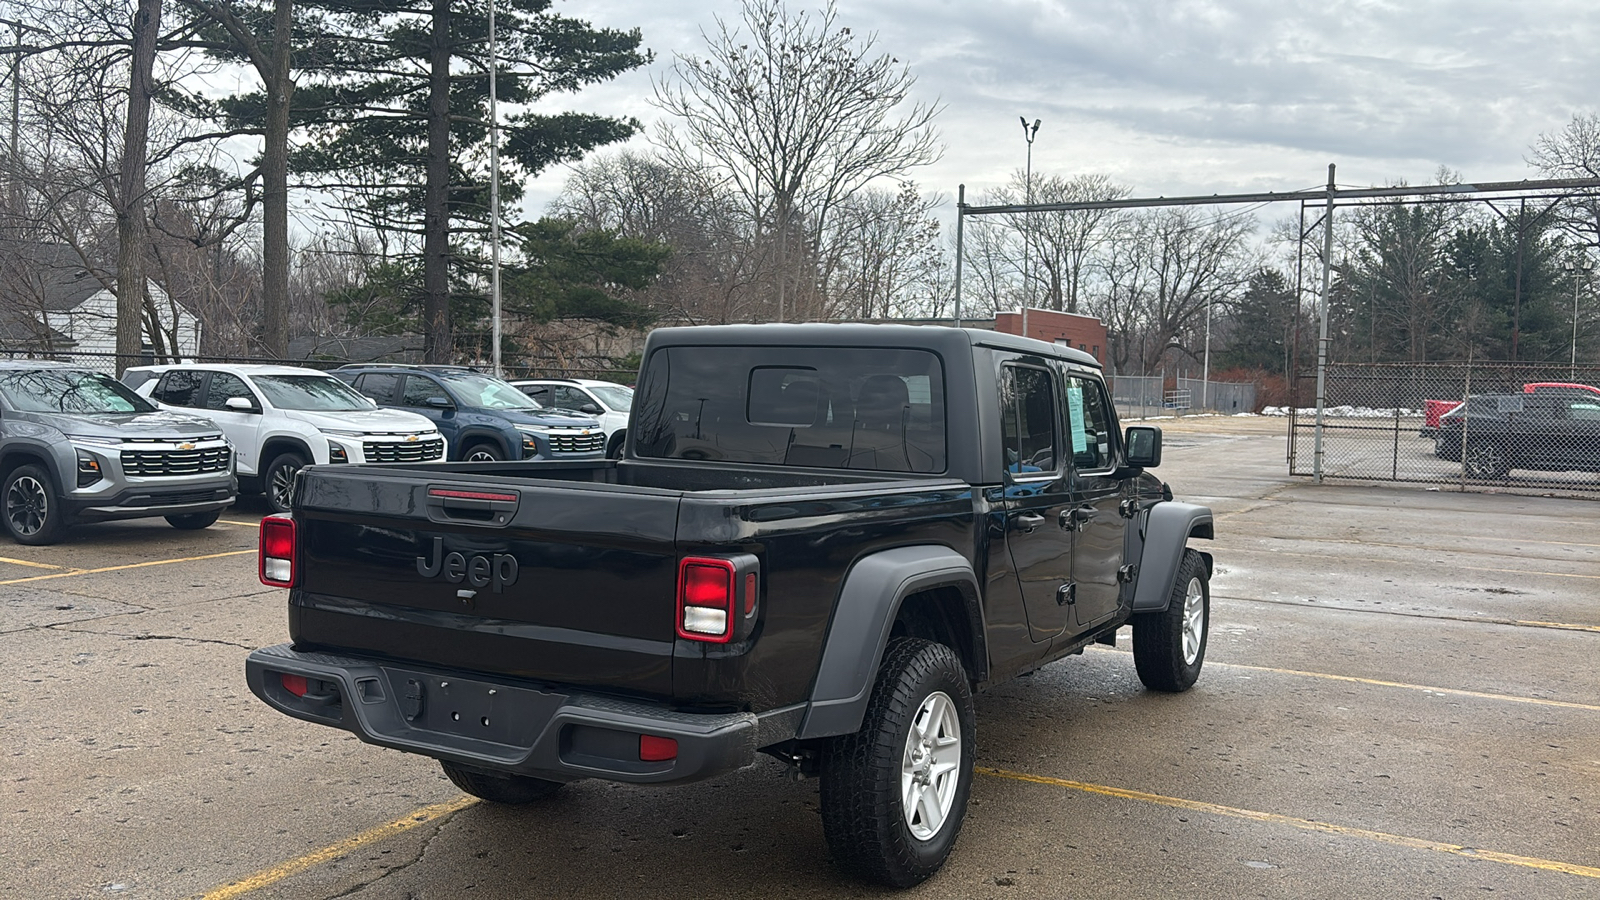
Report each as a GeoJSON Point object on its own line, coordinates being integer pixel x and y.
{"type": "Point", "coordinates": [182, 441]}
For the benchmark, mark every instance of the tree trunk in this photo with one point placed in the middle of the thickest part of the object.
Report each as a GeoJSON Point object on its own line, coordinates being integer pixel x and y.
{"type": "Point", "coordinates": [275, 188]}
{"type": "Point", "coordinates": [438, 341]}
{"type": "Point", "coordinates": [131, 186]}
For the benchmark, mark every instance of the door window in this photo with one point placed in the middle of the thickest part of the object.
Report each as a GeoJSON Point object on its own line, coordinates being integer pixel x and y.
{"type": "Point", "coordinates": [540, 393]}
{"type": "Point", "coordinates": [378, 386]}
{"type": "Point", "coordinates": [181, 388]}
{"type": "Point", "coordinates": [225, 386]}
{"type": "Point", "coordinates": [1089, 435]}
{"type": "Point", "coordinates": [1029, 437]}
{"type": "Point", "coordinates": [571, 398]}
{"type": "Point", "coordinates": [418, 389]}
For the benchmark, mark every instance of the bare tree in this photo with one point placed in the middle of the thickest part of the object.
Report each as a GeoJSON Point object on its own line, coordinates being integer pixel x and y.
{"type": "Point", "coordinates": [885, 245]}
{"type": "Point", "coordinates": [795, 115]}
{"type": "Point", "coordinates": [1573, 152]}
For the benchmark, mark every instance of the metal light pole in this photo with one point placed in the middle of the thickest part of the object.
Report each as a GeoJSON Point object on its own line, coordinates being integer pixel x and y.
{"type": "Point", "coordinates": [1027, 237]}
{"type": "Point", "coordinates": [1579, 265]}
{"type": "Point", "coordinates": [494, 196]}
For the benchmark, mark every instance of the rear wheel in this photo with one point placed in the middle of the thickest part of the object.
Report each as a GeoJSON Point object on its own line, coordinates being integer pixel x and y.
{"type": "Point", "coordinates": [280, 480]}
{"type": "Point", "coordinates": [31, 506]}
{"type": "Point", "coordinates": [194, 521]}
{"type": "Point", "coordinates": [512, 790]}
{"type": "Point", "coordinates": [1169, 647]}
{"type": "Point", "coordinates": [894, 793]}
{"type": "Point", "coordinates": [614, 446]}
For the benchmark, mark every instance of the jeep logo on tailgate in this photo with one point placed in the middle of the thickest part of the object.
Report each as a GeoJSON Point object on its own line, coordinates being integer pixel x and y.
{"type": "Point", "coordinates": [479, 571]}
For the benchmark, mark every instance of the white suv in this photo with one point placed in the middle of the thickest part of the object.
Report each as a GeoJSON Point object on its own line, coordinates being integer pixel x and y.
{"type": "Point", "coordinates": [280, 418]}
{"type": "Point", "coordinates": [604, 400]}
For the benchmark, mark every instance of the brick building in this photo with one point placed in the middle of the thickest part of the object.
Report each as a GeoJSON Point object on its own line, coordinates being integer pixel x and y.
{"type": "Point", "coordinates": [1085, 333]}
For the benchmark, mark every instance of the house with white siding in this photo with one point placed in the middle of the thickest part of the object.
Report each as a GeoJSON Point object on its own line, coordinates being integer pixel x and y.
{"type": "Point", "coordinates": [50, 303]}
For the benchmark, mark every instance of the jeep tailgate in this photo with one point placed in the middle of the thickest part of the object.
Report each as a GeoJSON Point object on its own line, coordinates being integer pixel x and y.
{"type": "Point", "coordinates": [531, 578]}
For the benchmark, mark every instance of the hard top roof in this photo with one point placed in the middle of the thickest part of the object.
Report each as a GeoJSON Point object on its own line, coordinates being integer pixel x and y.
{"type": "Point", "coordinates": [937, 338]}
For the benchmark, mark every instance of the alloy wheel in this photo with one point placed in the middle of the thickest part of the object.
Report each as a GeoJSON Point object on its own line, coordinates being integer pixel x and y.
{"type": "Point", "coordinates": [930, 766]}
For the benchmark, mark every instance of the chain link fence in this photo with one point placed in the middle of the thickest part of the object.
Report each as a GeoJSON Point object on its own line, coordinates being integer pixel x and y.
{"type": "Point", "coordinates": [1513, 427]}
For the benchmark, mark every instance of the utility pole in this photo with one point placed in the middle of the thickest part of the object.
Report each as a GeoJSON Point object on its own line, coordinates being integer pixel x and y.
{"type": "Point", "coordinates": [1580, 266]}
{"type": "Point", "coordinates": [1027, 228]}
{"type": "Point", "coordinates": [1322, 336]}
{"type": "Point", "coordinates": [494, 199]}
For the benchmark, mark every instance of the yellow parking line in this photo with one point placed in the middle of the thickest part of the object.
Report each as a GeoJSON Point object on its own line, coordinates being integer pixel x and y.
{"type": "Point", "coordinates": [1397, 840]}
{"type": "Point", "coordinates": [343, 848]}
{"type": "Point", "coordinates": [1476, 695]}
{"type": "Point", "coordinates": [24, 562]}
{"type": "Point", "coordinates": [158, 562]}
{"type": "Point", "coordinates": [255, 524]}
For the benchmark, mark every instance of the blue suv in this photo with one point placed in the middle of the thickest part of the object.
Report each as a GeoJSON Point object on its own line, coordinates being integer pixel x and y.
{"type": "Point", "coordinates": [481, 416]}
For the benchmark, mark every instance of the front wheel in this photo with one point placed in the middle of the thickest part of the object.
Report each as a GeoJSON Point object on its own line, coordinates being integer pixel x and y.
{"type": "Point", "coordinates": [32, 508]}
{"type": "Point", "coordinates": [512, 790]}
{"type": "Point", "coordinates": [1169, 647]}
{"type": "Point", "coordinates": [280, 480]}
{"type": "Point", "coordinates": [484, 452]}
{"type": "Point", "coordinates": [1487, 460]}
{"type": "Point", "coordinates": [894, 793]}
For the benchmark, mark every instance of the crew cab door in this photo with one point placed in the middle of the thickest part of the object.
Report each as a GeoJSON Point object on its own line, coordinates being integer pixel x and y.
{"type": "Point", "coordinates": [1037, 498]}
{"type": "Point", "coordinates": [1097, 499]}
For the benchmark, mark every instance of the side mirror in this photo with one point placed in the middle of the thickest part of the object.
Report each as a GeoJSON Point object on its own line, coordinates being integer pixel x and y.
{"type": "Point", "coordinates": [590, 408]}
{"type": "Point", "coordinates": [439, 402]}
{"type": "Point", "coordinates": [1144, 446]}
{"type": "Point", "coordinates": [241, 404]}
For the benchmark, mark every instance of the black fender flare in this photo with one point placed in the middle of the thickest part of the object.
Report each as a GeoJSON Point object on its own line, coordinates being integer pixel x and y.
{"type": "Point", "coordinates": [871, 596]}
{"type": "Point", "coordinates": [1166, 532]}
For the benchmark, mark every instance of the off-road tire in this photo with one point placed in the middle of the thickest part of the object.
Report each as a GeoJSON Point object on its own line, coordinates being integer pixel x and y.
{"type": "Point", "coordinates": [511, 790]}
{"type": "Point", "coordinates": [194, 521]}
{"type": "Point", "coordinates": [279, 480]}
{"type": "Point", "coordinates": [31, 506]}
{"type": "Point", "coordinates": [1169, 647]}
{"type": "Point", "coordinates": [863, 789]}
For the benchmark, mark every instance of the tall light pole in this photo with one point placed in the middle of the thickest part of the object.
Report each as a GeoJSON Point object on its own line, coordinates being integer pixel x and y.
{"type": "Point", "coordinates": [1027, 238]}
{"type": "Point", "coordinates": [494, 196]}
{"type": "Point", "coordinates": [1580, 265]}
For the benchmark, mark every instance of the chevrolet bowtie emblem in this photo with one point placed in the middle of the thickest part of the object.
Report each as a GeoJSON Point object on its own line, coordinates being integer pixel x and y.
{"type": "Point", "coordinates": [411, 437]}
{"type": "Point", "coordinates": [185, 446]}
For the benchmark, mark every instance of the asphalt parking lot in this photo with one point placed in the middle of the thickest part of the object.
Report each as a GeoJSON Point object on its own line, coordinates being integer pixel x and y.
{"type": "Point", "coordinates": [1399, 701]}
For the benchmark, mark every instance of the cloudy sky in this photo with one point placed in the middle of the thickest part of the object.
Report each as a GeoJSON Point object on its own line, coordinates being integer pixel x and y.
{"type": "Point", "coordinates": [1175, 97]}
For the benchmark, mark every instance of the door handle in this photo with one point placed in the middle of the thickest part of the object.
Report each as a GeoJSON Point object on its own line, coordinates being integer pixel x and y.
{"type": "Point", "coordinates": [1027, 522]}
{"type": "Point", "coordinates": [1074, 519]}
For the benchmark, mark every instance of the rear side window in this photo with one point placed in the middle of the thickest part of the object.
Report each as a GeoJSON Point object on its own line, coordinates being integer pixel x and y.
{"type": "Point", "coordinates": [179, 388]}
{"type": "Point", "coordinates": [841, 408]}
{"type": "Point", "coordinates": [1027, 403]}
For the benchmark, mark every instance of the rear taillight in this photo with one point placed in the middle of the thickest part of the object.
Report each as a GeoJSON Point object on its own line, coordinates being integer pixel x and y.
{"type": "Point", "coordinates": [706, 599]}
{"type": "Point", "coordinates": [277, 558]}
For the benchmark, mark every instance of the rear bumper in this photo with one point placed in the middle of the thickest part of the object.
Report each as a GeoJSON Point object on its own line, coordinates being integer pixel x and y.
{"type": "Point", "coordinates": [506, 726]}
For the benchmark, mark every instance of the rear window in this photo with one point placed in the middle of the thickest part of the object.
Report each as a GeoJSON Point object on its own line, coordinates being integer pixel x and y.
{"type": "Point", "coordinates": [840, 408]}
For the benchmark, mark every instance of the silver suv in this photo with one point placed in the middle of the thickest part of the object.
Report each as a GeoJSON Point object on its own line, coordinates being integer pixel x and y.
{"type": "Point", "coordinates": [78, 446]}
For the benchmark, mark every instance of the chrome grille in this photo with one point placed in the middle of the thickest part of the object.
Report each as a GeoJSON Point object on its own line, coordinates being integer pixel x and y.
{"type": "Point", "coordinates": [171, 463]}
{"type": "Point", "coordinates": [574, 442]}
{"type": "Point", "coordinates": [402, 451]}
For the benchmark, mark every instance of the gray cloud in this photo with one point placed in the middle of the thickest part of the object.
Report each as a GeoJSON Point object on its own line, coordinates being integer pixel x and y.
{"type": "Point", "coordinates": [1199, 96]}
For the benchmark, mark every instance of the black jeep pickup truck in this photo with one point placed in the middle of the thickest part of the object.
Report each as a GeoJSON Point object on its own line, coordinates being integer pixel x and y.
{"type": "Point", "coordinates": [819, 542]}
